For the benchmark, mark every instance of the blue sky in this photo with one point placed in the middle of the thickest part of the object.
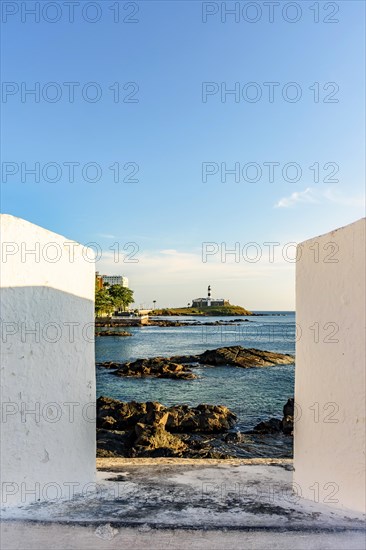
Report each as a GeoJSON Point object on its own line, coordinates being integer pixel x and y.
{"type": "Point", "coordinates": [170, 132]}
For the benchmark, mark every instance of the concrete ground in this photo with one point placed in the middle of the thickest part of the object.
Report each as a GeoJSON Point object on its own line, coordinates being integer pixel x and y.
{"type": "Point", "coordinates": [185, 504]}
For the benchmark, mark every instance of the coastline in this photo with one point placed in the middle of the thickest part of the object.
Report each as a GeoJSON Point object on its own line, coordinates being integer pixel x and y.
{"type": "Point", "coordinates": [153, 366]}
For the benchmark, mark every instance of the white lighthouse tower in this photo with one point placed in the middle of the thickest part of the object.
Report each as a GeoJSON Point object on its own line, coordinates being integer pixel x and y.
{"type": "Point", "coordinates": [209, 296]}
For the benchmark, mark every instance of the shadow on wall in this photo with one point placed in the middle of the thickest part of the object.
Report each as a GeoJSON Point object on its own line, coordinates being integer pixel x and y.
{"type": "Point", "coordinates": [47, 388]}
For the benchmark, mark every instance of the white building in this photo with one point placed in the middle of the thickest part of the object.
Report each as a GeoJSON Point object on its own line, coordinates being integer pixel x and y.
{"type": "Point", "coordinates": [115, 280]}
{"type": "Point", "coordinates": [209, 301]}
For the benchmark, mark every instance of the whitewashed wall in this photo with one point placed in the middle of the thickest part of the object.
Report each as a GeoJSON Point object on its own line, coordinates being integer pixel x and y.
{"type": "Point", "coordinates": [47, 364]}
{"type": "Point", "coordinates": [329, 458]}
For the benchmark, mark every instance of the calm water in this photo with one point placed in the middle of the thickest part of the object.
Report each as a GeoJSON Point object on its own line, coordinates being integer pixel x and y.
{"type": "Point", "coordinates": [253, 394]}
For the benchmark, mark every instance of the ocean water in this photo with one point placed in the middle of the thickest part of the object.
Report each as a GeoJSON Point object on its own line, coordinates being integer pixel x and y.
{"type": "Point", "coordinates": [253, 394]}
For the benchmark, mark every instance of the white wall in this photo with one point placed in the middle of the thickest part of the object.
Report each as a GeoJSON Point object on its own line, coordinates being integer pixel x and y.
{"type": "Point", "coordinates": [47, 357]}
{"type": "Point", "coordinates": [329, 458]}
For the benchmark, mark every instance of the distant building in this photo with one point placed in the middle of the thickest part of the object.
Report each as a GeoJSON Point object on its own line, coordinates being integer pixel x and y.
{"type": "Point", "coordinates": [115, 280]}
{"type": "Point", "coordinates": [209, 301]}
{"type": "Point", "coordinates": [204, 302]}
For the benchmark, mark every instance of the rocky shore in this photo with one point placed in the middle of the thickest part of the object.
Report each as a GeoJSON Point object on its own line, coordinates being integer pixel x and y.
{"type": "Point", "coordinates": [207, 431]}
{"type": "Point", "coordinates": [157, 367]}
{"type": "Point", "coordinates": [113, 333]}
{"type": "Point", "coordinates": [168, 323]}
{"type": "Point", "coordinates": [227, 310]}
{"type": "Point", "coordinates": [150, 429]}
{"type": "Point", "coordinates": [176, 367]}
{"type": "Point", "coordinates": [242, 357]}
{"type": "Point", "coordinates": [275, 426]}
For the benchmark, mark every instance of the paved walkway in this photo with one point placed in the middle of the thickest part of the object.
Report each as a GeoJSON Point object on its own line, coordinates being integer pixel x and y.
{"type": "Point", "coordinates": [179, 504]}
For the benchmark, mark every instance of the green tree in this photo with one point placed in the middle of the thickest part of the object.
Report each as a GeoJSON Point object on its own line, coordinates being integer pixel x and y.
{"type": "Point", "coordinates": [103, 302]}
{"type": "Point", "coordinates": [121, 296]}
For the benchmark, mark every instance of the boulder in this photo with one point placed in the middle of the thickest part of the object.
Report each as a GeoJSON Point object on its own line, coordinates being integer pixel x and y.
{"type": "Point", "coordinates": [273, 425]}
{"type": "Point", "coordinates": [156, 438]}
{"type": "Point", "coordinates": [289, 407]}
{"type": "Point", "coordinates": [237, 356]}
{"type": "Point", "coordinates": [157, 367]}
{"type": "Point", "coordinates": [151, 429]}
{"type": "Point", "coordinates": [125, 415]}
{"type": "Point", "coordinates": [112, 443]}
{"type": "Point", "coordinates": [185, 359]}
{"type": "Point", "coordinates": [203, 418]}
{"type": "Point", "coordinates": [287, 425]}
{"type": "Point", "coordinates": [176, 367]}
{"type": "Point", "coordinates": [233, 437]}
{"type": "Point", "coordinates": [156, 415]}
{"type": "Point", "coordinates": [244, 357]}
{"type": "Point", "coordinates": [180, 418]}
{"type": "Point", "coordinates": [288, 417]}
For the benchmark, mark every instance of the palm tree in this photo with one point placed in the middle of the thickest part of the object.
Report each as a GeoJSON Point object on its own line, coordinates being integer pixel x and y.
{"type": "Point", "coordinates": [154, 302]}
{"type": "Point", "coordinates": [103, 302]}
{"type": "Point", "coordinates": [122, 296]}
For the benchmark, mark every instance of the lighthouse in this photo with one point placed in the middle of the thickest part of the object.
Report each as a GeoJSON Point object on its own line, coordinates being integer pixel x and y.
{"type": "Point", "coordinates": [208, 301]}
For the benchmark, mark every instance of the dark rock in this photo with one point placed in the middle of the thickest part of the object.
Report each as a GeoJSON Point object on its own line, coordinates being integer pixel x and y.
{"type": "Point", "coordinates": [113, 333]}
{"type": "Point", "coordinates": [125, 415]}
{"type": "Point", "coordinates": [113, 443]}
{"type": "Point", "coordinates": [288, 417]}
{"type": "Point", "coordinates": [169, 323]}
{"type": "Point", "coordinates": [179, 418]}
{"type": "Point", "coordinates": [165, 323]}
{"type": "Point", "coordinates": [273, 425]}
{"type": "Point", "coordinates": [244, 357]}
{"type": "Point", "coordinates": [157, 367]}
{"type": "Point", "coordinates": [185, 359]}
{"type": "Point", "coordinates": [288, 409]}
{"type": "Point", "coordinates": [233, 437]}
{"type": "Point", "coordinates": [204, 418]}
{"type": "Point", "coordinates": [151, 429]}
{"type": "Point", "coordinates": [287, 425]}
{"type": "Point", "coordinates": [153, 438]}
{"type": "Point", "coordinates": [237, 356]}
{"type": "Point", "coordinates": [176, 367]}
{"type": "Point", "coordinates": [156, 415]}
{"type": "Point", "coordinates": [109, 365]}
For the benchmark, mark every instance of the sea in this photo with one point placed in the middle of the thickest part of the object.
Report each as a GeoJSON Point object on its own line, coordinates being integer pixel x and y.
{"type": "Point", "coordinates": [254, 394]}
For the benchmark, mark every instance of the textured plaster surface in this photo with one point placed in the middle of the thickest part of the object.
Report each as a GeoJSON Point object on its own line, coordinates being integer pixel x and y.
{"type": "Point", "coordinates": [329, 442]}
{"type": "Point", "coordinates": [47, 363]}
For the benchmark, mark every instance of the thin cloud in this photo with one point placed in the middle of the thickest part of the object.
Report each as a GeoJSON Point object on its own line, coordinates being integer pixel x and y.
{"type": "Point", "coordinates": [314, 196]}
{"type": "Point", "coordinates": [306, 196]}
